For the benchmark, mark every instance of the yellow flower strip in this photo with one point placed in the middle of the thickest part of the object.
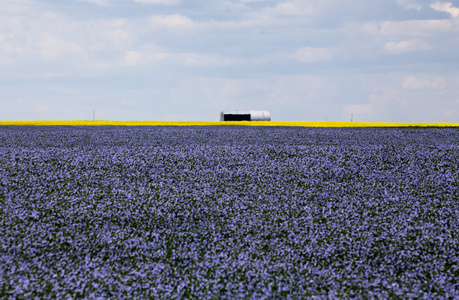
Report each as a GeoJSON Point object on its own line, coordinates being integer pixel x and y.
{"type": "Point", "coordinates": [246, 123]}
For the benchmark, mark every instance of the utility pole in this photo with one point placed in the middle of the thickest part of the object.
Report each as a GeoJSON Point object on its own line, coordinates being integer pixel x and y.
{"type": "Point", "coordinates": [352, 117]}
{"type": "Point", "coordinates": [93, 115]}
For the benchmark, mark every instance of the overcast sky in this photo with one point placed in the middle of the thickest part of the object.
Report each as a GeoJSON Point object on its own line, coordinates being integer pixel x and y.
{"type": "Point", "coordinates": [380, 60]}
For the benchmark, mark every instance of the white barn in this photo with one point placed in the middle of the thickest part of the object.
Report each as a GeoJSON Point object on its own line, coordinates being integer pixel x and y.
{"type": "Point", "coordinates": [245, 115]}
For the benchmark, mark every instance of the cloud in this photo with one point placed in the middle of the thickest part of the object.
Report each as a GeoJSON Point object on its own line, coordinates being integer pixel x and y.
{"type": "Point", "coordinates": [154, 55]}
{"type": "Point", "coordinates": [162, 2]}
{"type": "Point", "coordinates": [312, 55]}
{"type": "Point", "coordinates": [53, 46]}
{"type": "Point", "coordinates": [445, 7]}
{"type": "Point", "coordinates": [294, 8]}
{"type": "Point", "coordinates": [417, 28]}
{"type": "Point", "coordinates": [171, 21]}
{"type": "Point", "coordinates": [416, 83]}
{"type": "Point", "coordinates": [381, 105]}
{"type": "Point", "coordinates": [409, 4]}
{"type": "Point", "coordinates": [406, 46]}
{"type": "Point", "coordinates": [9, 51]}
{"type": "Point", "coordinates": [439, 84]}
{"type": "Point", "coordinates": [206, 60]}
{"type": "Point", "coordinates": [145, 56]}
{"type": "Point", "coordinates": [132, 58]}
{"type": "Point", "coordinates": [297, 89]}
{"type": "Point", "coordinates": [251, 1]}
{"type": "Point", "coordinates": [400, 97]}
{"type": "Point", "coordinates": [294, 96]}
{"type": "Point", "coordinates": [43, 36]}
{"type": "Point", "coordinates": [97, 2]}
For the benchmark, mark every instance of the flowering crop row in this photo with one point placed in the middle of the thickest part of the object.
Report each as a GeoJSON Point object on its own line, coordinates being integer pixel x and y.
{"type": "Point", "coordinates": [228, 212]}
{"type": "Point", "coordinates": [232, 123]}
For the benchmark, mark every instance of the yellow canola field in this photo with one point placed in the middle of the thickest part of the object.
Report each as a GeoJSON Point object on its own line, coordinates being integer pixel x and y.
{"type": "Point", "coordinates": [243, 123]}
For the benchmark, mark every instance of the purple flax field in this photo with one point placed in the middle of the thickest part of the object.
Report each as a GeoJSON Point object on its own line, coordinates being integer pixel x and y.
{"type": "Point", "coordinates": [225, 212]}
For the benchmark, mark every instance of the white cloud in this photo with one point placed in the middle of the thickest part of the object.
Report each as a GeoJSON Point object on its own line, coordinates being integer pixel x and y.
{"type": "Point", "coordinates": [406, 46]}
{"type": "Point", "coordinates": [445, 7]}
{"type": "Point", "coordinates": [415, 83]}
{"type": "Point", "coordinates": [292, 9]}
{"type": "Point", "coordinates": [279, 93]}
{"type": "Point", "coordinates": [44, 35]}
{"type": "Point", "coordinates": [109, 33]}
{"type": "Point", "coordinates": [275, 17]}
{"type": "Point", "coordinates": [312, 55]}
{"type": "Point", "coordinates": [162, 2]}
{"type": "Point", "coordinates": [97, 2]}
{"type": "Point", "coordinates": [132, 58]}
{"type": "Point", "coordinates": [172, 21]}
{"type": "Point", "coordinates": [438, 84]}
{"type": "Point", "coordinates": [145, 56]}
{"type": "Point", "coordinates": [53, 46]}
{"type": "Point", "coordinates": [205, 60]}
{"type": "Point", "coordinates": [417, 28]}
{"type": "Point", "coordinates": [152, 55]}
{"type": "Point", "coordinates": [9, 51]}
{"type": "Point", "coordinates": [15, 7]}
{"type": "Point", "coordinates": [251, 1]}
{"type": "Point", "coordinates": [395, 97]}
{"type": "Point", "coordinates": [416, 35]}
{"type": "Point", "coordinates": [409, 4]}
{"type": "Point", "coordinates": [297, 89]}
{"type": "Point", "coordinates": [381, 105]}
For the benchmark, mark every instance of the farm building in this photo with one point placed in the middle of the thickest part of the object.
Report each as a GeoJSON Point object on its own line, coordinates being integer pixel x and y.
{"type": "Point", "coordinates": [245, 115]}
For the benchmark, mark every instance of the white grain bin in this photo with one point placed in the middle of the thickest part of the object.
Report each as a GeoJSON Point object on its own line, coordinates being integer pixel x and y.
{"type": "Point", "coordinates": [245, 115]}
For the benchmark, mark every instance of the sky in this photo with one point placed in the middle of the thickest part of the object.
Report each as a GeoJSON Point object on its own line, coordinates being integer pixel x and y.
{"type": "Point", "coordinates": [312, 60]}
